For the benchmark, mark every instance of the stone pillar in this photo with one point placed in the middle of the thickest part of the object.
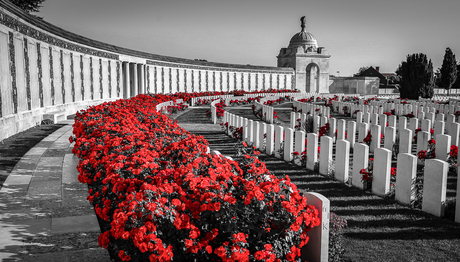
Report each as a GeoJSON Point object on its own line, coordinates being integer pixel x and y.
{"type": "Point", "coordinates": [325, 155]}
{"type": "Point", "coordinates": [288, 145]}
{"type": "Point", "coordinates": [442, 146]}
{"type": "Point", "coordinates": [141, 70]}
{"type": "Point", "coordinates": [405, 175]}
{"type": "Point", "coordinates": [279, 131]}
{"type": "Point", "coordinates": [360, 161]}
{"type": "Point", "coordinates": [382, 172]}
{"type": "Point", "coordinates": [312, 150]}
{"type": "Point", "coordinates": [434, 187]}
{"type": "Point", "coordinates": [135, 82]}
{"type": "Point", "coordinates": [269, 150]}
{"type": "Point", "coordinates": [342, 160]}
{"type": "Point", "coordinates": [127, 81]}
{"type": "Point", "coordinates": [351, 133]}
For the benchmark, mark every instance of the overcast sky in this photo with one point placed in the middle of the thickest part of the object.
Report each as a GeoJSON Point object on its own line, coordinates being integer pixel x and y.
{"type": "Point", "coordinates": [356, 33]}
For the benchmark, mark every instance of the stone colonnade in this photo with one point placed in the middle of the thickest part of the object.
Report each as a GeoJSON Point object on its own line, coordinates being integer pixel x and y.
{"type": "Point", "coordinates": [46, 70]}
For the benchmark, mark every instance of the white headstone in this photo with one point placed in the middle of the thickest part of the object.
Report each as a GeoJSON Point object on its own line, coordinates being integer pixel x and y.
{"type": "Point", "coordinates": [382, 172]}
{"type": "Point", "coordinates": [434, 187]}
{"type": "Point", "coordinates": [405, 177]}
{"type": "Point", "coordinates": [325, 155]}
{"type": "Point", "coordinates": [360, 161]}
{"type": "Point", "coordinates": [342, 160]}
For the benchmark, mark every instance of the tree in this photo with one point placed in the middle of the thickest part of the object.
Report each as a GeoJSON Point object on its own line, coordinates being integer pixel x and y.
{"type": "Point", "coordinates": [448, 70]}
{"type": "Point", "coordinates": [417, 78]}
{"type": "Point", "coordinates": [28, 5]}
{"type": "Point", "coordinates": [457, 83]}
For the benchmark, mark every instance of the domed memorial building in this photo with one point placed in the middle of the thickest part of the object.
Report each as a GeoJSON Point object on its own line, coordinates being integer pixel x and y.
{"type": "Point", "coordinates": [310, 62]}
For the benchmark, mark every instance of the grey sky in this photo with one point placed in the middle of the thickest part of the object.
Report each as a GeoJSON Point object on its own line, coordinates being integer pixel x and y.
{"type": "Point", "coordinates": [356, 33]}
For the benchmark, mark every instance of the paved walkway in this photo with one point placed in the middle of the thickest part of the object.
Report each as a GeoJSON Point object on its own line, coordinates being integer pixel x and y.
{"type": "Point", "coordinates": [42, 199]}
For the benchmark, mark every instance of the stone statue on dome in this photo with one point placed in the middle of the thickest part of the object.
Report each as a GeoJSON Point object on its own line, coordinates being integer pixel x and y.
{"type": "Point", "coordinates": [303, 22]}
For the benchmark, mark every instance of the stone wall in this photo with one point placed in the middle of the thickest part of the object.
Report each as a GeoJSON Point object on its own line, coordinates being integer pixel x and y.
{"type": "Point", "coordinates": [44, 69]}
{"type": "Point", "coordinates": [354, 85]}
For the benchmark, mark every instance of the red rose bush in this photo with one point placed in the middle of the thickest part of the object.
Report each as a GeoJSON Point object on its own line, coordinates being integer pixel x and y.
{"type": "Point", "coordinates": [160, 196]}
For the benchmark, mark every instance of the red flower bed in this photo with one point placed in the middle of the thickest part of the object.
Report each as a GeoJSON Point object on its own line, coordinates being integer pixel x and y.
{"type": "Point", "coordinates": [159, 196]}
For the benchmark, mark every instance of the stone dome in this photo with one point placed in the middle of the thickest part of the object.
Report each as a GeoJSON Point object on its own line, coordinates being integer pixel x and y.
{"type": "Point", "coordinates": [304, 39]}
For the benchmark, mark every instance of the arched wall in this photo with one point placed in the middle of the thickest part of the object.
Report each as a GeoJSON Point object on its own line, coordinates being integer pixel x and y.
{"type": "Point", "coordinates": [44, 68]}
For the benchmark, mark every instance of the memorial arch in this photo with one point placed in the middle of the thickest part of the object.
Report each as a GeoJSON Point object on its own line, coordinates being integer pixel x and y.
{"type": "Point", "coordinates": [311, 63]}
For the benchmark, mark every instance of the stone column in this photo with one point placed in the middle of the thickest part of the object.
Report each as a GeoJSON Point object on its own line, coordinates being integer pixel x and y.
{"type": "Point", "coordinates": [127, 81]}
{"type": "Point", "coordinates": [141, 70]}
{"type": "Point", "coordinates": [135, 82]}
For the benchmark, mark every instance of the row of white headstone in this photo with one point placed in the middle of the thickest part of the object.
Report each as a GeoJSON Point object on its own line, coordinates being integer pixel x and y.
{"type": "Point", "coordinates": [434, 194]}
{"type": "Point", "coordinates": [268, 138]}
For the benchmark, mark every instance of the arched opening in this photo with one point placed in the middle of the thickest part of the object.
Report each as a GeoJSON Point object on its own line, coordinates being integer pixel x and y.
{"type": "Point", "coordinates": [312, 78]}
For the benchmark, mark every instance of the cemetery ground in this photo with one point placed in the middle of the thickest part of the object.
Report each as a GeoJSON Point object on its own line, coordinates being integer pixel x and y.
{"type": "Point", "coordinates": [379, 229]}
